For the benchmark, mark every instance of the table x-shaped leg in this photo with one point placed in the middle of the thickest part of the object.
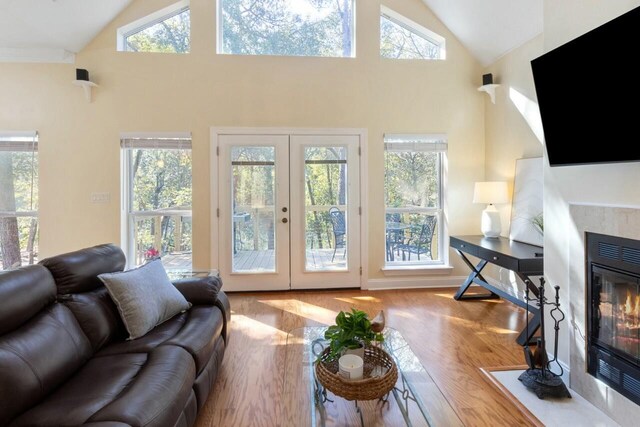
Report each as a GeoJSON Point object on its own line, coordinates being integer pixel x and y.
{"type": "Point", "coordinates": [475, 273]}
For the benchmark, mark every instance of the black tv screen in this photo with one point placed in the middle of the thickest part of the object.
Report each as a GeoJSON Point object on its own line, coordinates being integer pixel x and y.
{"type": "Point", "coordinates": [589, 95]}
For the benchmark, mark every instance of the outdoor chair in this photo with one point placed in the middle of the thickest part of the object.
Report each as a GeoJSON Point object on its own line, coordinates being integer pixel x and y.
{"type": "Point", "coordinates": [420, 239]}
{"type": "Point", "coordinates": [339, 230]}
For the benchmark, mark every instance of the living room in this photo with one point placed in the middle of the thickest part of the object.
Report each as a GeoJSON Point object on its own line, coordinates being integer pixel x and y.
{"type": "Point", "coordinates": [80, 100]}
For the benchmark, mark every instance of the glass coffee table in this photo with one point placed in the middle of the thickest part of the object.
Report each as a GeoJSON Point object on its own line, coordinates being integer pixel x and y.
{"type": "Point", "coordinates": [415, 401]}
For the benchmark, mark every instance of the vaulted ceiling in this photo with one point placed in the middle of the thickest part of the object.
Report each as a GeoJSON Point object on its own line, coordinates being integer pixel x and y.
{"type": "Point", "coordinates": [490, 28]}
{"type": "Point", "coordinates": [54, 30]}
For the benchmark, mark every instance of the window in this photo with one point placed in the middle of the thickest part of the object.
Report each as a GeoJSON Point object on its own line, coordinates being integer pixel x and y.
{"type": "Point", "coordinates": [168, 31]}
{"type": "Point", "coordinates": [413, 181]}
{"type": "Point", "coordinates": [18, 199]}
{"type": "Point", "coordinates": [157, 199]}
{"type": "Point", "coordinates": [286, 27]}
{"type": "Point", "coordinates": [401, 38]}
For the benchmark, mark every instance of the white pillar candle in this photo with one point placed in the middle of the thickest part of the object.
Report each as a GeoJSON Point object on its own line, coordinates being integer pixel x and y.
{"type": "Point", "coordinates": [351, 367]}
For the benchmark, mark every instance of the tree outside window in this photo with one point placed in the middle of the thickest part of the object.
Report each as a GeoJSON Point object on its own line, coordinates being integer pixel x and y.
{"type": "Point", "coordinates": [287, 27]}
{"type": "Point", "coordinates": [18, 199]}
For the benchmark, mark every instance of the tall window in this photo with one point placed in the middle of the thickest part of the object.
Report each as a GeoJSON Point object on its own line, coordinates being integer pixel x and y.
{"type": "Point", "coordinates": [18, 199]}
{"type": "Point", "coordinates": [167, 31]}
{"type": "Point", "coordinates": [401, 38]}
{"type": "Point", "coordinates": [157, 199]}
{"type": "Point", "coordinates": [286, 27]}
{"type": "Point", "coordinates": [413, 199]}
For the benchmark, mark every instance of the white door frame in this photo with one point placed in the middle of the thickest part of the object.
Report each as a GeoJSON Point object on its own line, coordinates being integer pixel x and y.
{"type": "Point", "coordinates": [364, 182]}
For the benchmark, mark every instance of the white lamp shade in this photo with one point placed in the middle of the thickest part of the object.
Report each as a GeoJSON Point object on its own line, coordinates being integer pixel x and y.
{"type": "Point", "coordinates": [490, 192]}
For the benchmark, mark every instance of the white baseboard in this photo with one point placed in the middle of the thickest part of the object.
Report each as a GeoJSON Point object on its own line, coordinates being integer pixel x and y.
{"type": "Point", "coordinates": [414, 283]}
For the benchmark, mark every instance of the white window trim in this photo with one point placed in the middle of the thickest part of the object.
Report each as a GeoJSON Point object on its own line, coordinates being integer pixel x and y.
{"type": "Point", "coordinates": [126, 212]}
{"type": "Point", "coordinates": [414, 27]}
{"type": "Point", "coordinates": [147, 21]}
{"type": "Point", "coordinates": [439, 145]}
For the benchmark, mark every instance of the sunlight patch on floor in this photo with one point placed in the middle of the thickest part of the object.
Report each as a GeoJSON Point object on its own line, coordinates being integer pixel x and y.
{"type": "Point", "coordinates": [303, 309]}
{"type": "Point", "coordinates": [404, 314]}
{"type": "Point", "coordinates": [255, 329]}
{"type": "Point", "coordinates": [358, 300]}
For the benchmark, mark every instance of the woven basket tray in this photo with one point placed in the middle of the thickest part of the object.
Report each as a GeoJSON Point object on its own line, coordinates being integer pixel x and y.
{"type": "Point", "coordinates": [369, 387]}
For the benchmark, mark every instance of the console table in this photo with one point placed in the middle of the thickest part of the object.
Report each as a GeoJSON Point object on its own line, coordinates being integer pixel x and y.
{"type": "Point", "coordinates": [523, 259]}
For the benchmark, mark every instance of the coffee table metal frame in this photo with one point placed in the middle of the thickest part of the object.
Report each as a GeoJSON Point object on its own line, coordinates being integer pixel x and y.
{"type": "Point", "coordinates": [403, 392]}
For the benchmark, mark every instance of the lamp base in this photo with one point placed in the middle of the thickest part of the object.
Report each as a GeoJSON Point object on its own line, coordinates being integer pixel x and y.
{"type": "Point", "coordinates": [490, 223]}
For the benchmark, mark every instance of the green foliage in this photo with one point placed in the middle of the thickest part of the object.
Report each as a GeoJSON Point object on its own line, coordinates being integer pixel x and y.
{"type": "Point", "coordinates": [285, 27]}
{"type": "Point", "coordinates": [352, 329]}
{"type": "Point", "coordinates": [411, 179]}
{"type": "Point", "coordinates": [538, 222]}
{"type": "Point", "coordinates": [19, 193]}
{"type": "Point", "coordinates": [173, 35]}
{"type": "Point", "coordinates": [161, 180]}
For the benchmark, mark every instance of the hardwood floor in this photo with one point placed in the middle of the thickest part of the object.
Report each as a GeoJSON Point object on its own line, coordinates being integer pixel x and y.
{"type": "Point", "coordinates": [452, 339]}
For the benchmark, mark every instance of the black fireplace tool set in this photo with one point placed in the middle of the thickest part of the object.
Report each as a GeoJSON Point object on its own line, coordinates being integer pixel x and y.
{"type": "Point", "coordinates": [538, 377]}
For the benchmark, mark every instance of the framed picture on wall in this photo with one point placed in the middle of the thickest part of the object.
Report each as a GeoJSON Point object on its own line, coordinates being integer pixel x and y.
{"type": "Point", "coordinates": [526, 211]}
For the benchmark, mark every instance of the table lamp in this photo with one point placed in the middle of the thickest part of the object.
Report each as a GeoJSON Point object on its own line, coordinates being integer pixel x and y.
{"type": "Point", "coordinates": [490, 193]}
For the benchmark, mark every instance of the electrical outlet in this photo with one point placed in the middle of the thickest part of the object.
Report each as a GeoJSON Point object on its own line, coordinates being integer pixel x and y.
{"type": "Point", "coordinates": [100, 197]}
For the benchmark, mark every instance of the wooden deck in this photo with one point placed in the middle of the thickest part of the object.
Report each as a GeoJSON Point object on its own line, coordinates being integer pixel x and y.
{"type": "Point", "coordinates": [177, 261]}
{"type": "Point", "coordinates": [317, 259]}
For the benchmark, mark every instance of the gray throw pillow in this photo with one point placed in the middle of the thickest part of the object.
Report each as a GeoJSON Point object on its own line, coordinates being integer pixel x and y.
{"type": "Point", "coordinates": [145, 297]}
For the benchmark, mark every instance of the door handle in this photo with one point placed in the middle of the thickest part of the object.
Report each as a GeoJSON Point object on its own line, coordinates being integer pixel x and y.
{"type": "Point", "coordinates": [285, 220]}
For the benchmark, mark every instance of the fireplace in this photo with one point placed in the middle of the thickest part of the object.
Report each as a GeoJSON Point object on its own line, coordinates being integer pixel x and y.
{"type": "Point", "coordinates": [613, 285]}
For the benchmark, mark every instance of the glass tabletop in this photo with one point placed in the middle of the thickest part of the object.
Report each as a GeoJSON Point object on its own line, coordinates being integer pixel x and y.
{"type": "Point", "coordinates": [415, 400]}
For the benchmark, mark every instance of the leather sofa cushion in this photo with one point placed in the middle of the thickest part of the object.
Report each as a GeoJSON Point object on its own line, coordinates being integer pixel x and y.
{"type": "Point", "coordinates": [207, 378]}
{"type": "Point", "coordinates": [136, 389]}
{"type": "Point", "coordinates": [98, 316]}
{"type": "Point", "coordinates": [23, 293]}
{"type": "Point", "coordinates": [38, 357]}
{"type": "Point", "coordinates": [199, 333]}
{"type": "Point", "coordinates": [78, 271]}
{"type": "Point", "coordinates": [195, 331]}
{"type": "Point", "coordinates": [199, 290]}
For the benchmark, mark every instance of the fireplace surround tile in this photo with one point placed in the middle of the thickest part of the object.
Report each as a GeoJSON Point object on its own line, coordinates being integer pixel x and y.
{"type": "Point", "coordinates": [614, 221]}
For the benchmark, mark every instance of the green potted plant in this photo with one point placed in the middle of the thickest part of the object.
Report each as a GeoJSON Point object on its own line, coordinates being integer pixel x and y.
{"type": "Point", "coordinates": [352, 331]}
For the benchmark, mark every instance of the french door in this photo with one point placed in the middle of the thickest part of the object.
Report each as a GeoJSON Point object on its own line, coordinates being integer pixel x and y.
{"type": "Point", "coordinates": [289, 211]}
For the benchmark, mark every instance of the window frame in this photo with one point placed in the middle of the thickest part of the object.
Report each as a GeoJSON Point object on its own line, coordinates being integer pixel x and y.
{"type": "Point", "coordinates": [220, 37]}
{"type": "Point", "coordinates": [146, 141]}
{"type": "Point", "coordinates": [149, 21]}
{"type": "Point", "coordinates": [439, 145]}
{"type": "Point", "coordinates": [22, 142]}
{"type": "Point", "coordinates": [416, 28]}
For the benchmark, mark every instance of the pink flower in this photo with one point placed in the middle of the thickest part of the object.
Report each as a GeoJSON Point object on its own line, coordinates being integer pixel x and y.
{"type": "Point", "coordinates": [151, 253]}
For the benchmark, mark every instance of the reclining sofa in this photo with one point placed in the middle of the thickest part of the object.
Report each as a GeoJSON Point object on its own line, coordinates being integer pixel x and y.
{"type": "Point", "coordinates": [65, 359]}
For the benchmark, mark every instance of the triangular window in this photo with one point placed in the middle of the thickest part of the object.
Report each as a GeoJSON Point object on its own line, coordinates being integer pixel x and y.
{"type": "Point", "coordinates": [401, 38]}
{"type": "Point", "coordinates": [167, 30]}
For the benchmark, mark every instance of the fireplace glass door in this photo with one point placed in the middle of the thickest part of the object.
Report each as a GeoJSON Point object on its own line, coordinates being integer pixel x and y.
{"type": "Point", "coordinates": [616, 309]}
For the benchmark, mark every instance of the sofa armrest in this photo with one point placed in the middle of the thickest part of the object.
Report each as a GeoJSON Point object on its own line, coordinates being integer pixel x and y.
{"type": "Point", "coordinates": [199, 290]}
{"type": "Point", "coordinates": [223, 304]}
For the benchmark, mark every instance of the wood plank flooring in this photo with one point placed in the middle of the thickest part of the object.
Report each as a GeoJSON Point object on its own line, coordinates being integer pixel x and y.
{"type": "Point", "coordinates": [452, 339]}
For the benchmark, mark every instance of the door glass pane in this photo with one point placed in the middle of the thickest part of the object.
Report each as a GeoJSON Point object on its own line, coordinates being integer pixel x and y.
{"type": "Point", "coordinates": [326, 203]}
{"type": "Point", "coordinates": [253, 195]}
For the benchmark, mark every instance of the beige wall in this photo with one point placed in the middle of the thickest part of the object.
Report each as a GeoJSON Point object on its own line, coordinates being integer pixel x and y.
{"type": "Point", "coordinates": [508, 126]}
{"type": "Point", "coordinates": [609, 184]}
{"type": "Point", "coordinates": [79, 142]}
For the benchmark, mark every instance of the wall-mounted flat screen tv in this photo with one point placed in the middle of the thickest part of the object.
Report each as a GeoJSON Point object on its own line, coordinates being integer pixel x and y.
{"type": "Point", "coordinates": [589, 95]}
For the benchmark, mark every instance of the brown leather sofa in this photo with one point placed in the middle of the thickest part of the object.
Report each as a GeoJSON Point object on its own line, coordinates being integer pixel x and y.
{"type": "Point", "coordinates": [64, 360]}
